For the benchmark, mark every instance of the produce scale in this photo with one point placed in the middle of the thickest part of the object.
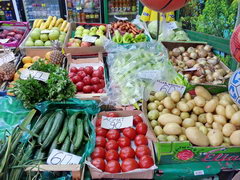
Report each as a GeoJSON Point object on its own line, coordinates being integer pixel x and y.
{"type": "Point", "coordinates": [120, 89]}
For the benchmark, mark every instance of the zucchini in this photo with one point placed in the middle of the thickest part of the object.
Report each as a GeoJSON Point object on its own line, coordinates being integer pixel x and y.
{"type": "Point", "coordinates": [66, 145]}
{"type": "Point", "coordinates": [64, 131]}
{"type": "Point", "coordinates": [57, 123]}
{"type": "Point", "coordinates": [79, 134]}
{"type": "Point", "coordinates": [41, 122]}
{"type": "Point", "coordinates": [47, 127]}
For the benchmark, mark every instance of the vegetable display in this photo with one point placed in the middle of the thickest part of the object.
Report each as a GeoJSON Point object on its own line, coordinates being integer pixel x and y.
{"type": "Point", "coordinates": [203, 119]}
{"type": "Point", "coordinates": [117, 150]}
{"type": "Point", "coordinates": [199, 65]}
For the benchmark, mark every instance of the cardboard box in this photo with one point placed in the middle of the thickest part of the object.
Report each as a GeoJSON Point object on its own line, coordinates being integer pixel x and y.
{"type": "Point", "coordinates": [95, 61]}
{"type": "Point", "coordinates": [80, 51]}
{"type": "Point", "coordinates": [144, 174]}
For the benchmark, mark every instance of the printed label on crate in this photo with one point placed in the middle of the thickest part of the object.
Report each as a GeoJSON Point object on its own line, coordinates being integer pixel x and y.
{"type": "Point", "coordinates": [172, 25]}
{"type": "Point", "coordinates": [58, 157]}
{"type": "Point", "coordinates": [90, 39]}
{"type": "Point", "coordinates": [149, 74]}
{"type": "Point", "coordinates": [198, 173]}
{"type": "Point", "coordinates": [46, 31]}
{"type": "Point", "coordinates": [4, 40]}
{"type": "Point", "coordinates": [116, 122]}
{"type": "Point", "coordinates": [168, 88]}
{"type": "Point", "coordinates": [38, 75]}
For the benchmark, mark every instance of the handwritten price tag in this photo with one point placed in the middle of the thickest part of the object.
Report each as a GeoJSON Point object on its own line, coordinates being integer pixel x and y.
{"type": "Point", "coordinates": [190, 69]}
{"type": "Point", "coordinates": [58, 157]}
{"type": "Point", "coordinates": [116, 122]}
{"type": "Point", "coordinates": [4, 40]}
{"type": "Point", "coordinates": [168, 88]}
{"type": "Point", "coordinates": [198, 173]}
{"type": "Point", "coordinates": [38, 75]}
{"type": "Point", "coordinates": [90, 39]}
{"type": "Point", "coordinates": [46, 31]}
{"type": "Point", "coordinates": [172, 25]}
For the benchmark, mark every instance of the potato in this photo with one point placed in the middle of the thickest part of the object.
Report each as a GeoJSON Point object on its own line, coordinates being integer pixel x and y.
{"type": "Point", "coordinates": [226, 139]}
{"type": "Point", "coordinates": [202, 118]}
{"type": "Point", "coordinates": [196, 137]}
{"type": "Point", "coordinates": [182, 138]}
{"type": "Point", "coordinates": [154, 123]}
{"type": "Point", "coordinates": [162, 138]}
{"type": "Point", "coordinates": [175, 95]}
{"type": "Point", "coordinates": [235, 138]}
{"type": "Point", "coordinates": [164, 111]}
{"type": "Point", "coordinates": [229, 111]}
{"type": "Point", "coordinates": [160, 95]}
{"type": "Point", "coordinates": [157, 102]}
{"type": "Point", "coordinates": [192, 101]}
{"type": "Point", "coordinates": [209, 118]}
{"type": "Point", "coordinates": [225, 144]}
{"type": "Point", "coordinates": [190, 105]}
{"type": "Point", "coordinates": [215, 137]}
{"type": "Point", "coordinates": [201, 91]}
{"type": "Point", "coordinates": [168, 103]}
{"type": "Point", "coordinates": [184, 100]}
{"type": "Point", "coordinates": [207, 125]}
{"type": "Point", "coordinates": [228, 129]}
{"type": "Point", "coordinates": [220, 119]}
{"type": "Point", "coordinates": [169, 118]}
{"type": "Point", "coordinates": [158, 130]}
{"type": "Point", "coordinates": [199, 101]}
{"type": "Point", "coordinates": [188, 122]}
{"type": "Point", "coordinates": [182, 106]}
{"type": "Point", "coordinates": [172, 138]}
{"type": "Point", "coordinates": [220, 110]}
{"type": "Point", "coordinates": [235, 107]}
{"type": "Point", "coordinates": [187, 96]}
{"type": "Point", "coordinates": [194, 117]}
{"type": "Point", "coordinates": [235, 120]}
{"type": "Point", "coordinates": [153, 114]}
{"type": "Point", "coordinates": [152, 98]}
{"type": "Point", "coordinates": [198, 124]}
{"type": "Point", "coordinates": [210, 106]}
{"type": "Point", "coordinates": [198, 110]}
{"type": "Point", "coordinates": [203, 129]}
{"type": "Point", "coordinates": [216, 97]}
{"type": "Point", "coordinates": [184, 115]}
{"type": "Point", "coordinates": [160, 107]}
{"type": "Point", "coordinates": [152, 106]}
{"type": "Point", "coordinates": [183, 130]}
{"type": "Point", "coordinates": [172, 129]}
{"type": "Point", "coordinates": [217, 125]}
{"type": "Point", "coordinates": [224, 102]}
{"type": "Point", "coordinates": [176, 111]}
{"type": "Point", "coordinates": [227, 97]}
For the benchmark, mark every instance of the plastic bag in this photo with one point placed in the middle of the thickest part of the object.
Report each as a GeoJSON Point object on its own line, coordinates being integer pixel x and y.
{"type": "Point", "coordinates": [133, 69]}
{"type": "Point", "coordinates": [12, 113]}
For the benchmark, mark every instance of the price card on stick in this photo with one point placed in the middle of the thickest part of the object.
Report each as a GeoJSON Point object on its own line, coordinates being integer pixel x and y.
{"type": "Point", "coordinates": [4, 40]}
{"type": "Point", "coordinates": [90, 39]}
{"type": "Point", "coordinates": [168, 88]}
{"type": "Point", "coordinates": [58, 157]}
{"type": "Point", "coordinates": [116, 122]}
{"type": "Point", "coordinates": [38, 75]}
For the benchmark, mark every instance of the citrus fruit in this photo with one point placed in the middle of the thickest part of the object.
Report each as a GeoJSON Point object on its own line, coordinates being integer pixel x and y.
{"type": "Point", "coordinates": [27, 59]}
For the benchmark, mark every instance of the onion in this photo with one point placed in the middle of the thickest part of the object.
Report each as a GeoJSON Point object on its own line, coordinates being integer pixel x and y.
{"type": "Point", "coordinates": [200, 46]}
{"type": "Point", "coordinates": [202, 61]}
{"type": "Point", "coordinates": [193, 55]}
{"type": "Point", "coordinates": [181, 63]}
{"type": "Point", "coordinates": [209, 78]}
{"type": "Point", "coordinates": [185, 54]}
{"type": "Point", "coordinates": [190, 63]}
{"type": "Point", "coordinates": [216, 75]}
{"type": "Point", "coordinates": [188, 76]}
{"type": "Point", "coordinates": [202, 53]}
{"type": "Point", "coordinates": [180, 58]}
{"type": "Point", "coordinates": [210, 54]}
{"type": "Point", "coordinates": [218, 66]}
{"type": "Point", "coordinates": [222, 72]}
{"type": "Point", "coordinates": [196, 80]}
{"type": "Point", "coordinates": [207, 48]}
{"type": "Point", "coordinates": [217, 82]}
{"type": "Point", "coordinates": [182, 49]}
{"type": "Point", "coordinates": [186, 58]}
{"type": "Point", "coordinates": [176, 52]}
{"type": "Point", "coordinates": [190, 50]}
{"type": "Point", "coordinates": [199, 72]}
{"type": "Point", "coordinates": [170, 53]}
{"type": "Point", "coordinates": [213, 61]}
{"type": "Point", "coordinates": [207, 71]}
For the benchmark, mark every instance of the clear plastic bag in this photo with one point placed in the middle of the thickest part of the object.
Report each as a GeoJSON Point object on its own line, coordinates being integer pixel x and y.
{"type": "Point", "coordinates": [133, 69]}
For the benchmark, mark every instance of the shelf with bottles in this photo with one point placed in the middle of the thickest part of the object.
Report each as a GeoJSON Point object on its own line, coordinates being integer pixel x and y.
{"type": "Point", "coordinates": [82, 17]}
{"type": "Point", "coordinates": [122, 6]}
{"type": "Point", "coordinates": [122, 13]}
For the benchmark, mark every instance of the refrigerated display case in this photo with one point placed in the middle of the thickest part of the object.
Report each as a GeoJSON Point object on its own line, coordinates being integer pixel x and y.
{"type": "Point", "coordinates": [84, 11]}
{"type": "Point", "coordinates": [114, 9]}
{"type": "Point", "coordinates": [9, 10]}
{"type": "Point", "coordinates": [41, 9]}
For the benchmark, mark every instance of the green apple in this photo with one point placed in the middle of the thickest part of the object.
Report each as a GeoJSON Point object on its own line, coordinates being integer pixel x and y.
{"type": "Point", "coordinates": [63, 33]}
{"type": "Point", "coordinates": [29, 43]}
{"type": "Point", "coordinates": [39, 43]}
{"type": "Point", "coordinates": [81, 28]}
{"type": "Point", "coordinates": [99, 32]}
{"type": "Point", "coordinates": [48, 43]}
{"type": "Point", "coordinates": [92, 33]}
{"type": "Point", "coordinates": [93, 29]}
{"type": "Point", "coordinates": [61, 38]}
{"type": "Point", "coordinates": [55, 28]}
{"type": "Point", "coordinates": [29, 39]}
{"type": "Point", "coordinates": [37, 29]}
{"type": "Point", "coordinates": [35, 35]}
{"type": "Point", "coordinates": [103, 28]}
{"type": "Point", "coordinates": [84, 35]}
{"type": "Point", "coordinates": [54, 35]}
{"type": "Point", "coordinates": [99, 42]}
{"type": "Point", "coordinates": [86, 31]}
{"type": "Point", "coordinates": [44, 37]}
{"type": "Point", "coordinates": [78, 33]}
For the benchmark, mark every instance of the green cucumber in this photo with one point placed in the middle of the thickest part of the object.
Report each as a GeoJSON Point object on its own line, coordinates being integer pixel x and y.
{"type": "Point", "coordinates": [57, 124]}
{"type": "Point", "coordinates": [66, 145]}
{"type": "Point", "coordinates": [71, 124]}
{"type": "Point", "coordinates": [41, 122]}
{"type": "Point", "coordinates": [48, 127]}
{"type": "Point", "coordinates": [64, 132]}
{"type": "Point", "coordinates": [54, 144]}
{"type": "Point", "coordinates": [85, 124]}
{"type": "Point", "coordinates": [79, 134]}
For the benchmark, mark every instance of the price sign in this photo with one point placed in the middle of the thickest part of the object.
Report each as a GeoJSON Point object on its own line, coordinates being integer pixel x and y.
{"type": "Point", "coordinates": [149, 74]}
{"type": "Point", "coordinates": [190, 69]}
{"type": "Point", "coordinates": [121, 18]}
{"type": "Point", "coordinates": [90, 39]}
{"type": "Point", "coordinates": [168, 88]}
{"type": "Point", "coordinates": [4, 40]}
{"type": "Point", "coordinates": [46, 31]}
{"type": "Point", "coordinates": [38, 75]}
{"type": "Point", "coordinates": [58, 157]}
{"type": "Point", "coordinates": [116, 122]}
{"type": "Point", "coordinates": [172, 25]}
{"type": "Point", "coordinates": [198, 173]}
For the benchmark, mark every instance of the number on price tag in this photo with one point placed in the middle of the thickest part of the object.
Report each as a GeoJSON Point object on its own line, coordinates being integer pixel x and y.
{"type": "Point", "coordinates": [4, 40]}
{"type": "Point", "coordinates": [116, 122]}
{"type": "Point", "coordinates": [198, 173]}
{"type": "Point", "coordinates": [90, 39]}
{"type": "Point", "coordinates": [58, 157]}
{"type": "Point", "coordinates": [38, 75]}
{"type": "Point", "coordinates": [168, 88]}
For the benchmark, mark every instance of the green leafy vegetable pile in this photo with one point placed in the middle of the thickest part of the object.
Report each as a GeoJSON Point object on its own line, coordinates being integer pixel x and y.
{"type": "Point", "coordinates": [58, 87]}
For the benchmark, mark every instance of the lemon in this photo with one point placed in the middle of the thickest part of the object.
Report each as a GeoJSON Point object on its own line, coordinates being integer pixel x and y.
{"type": "Point", "coordinates": [27, 65]}
{"type": "Point", "coordinates": [27, 59]}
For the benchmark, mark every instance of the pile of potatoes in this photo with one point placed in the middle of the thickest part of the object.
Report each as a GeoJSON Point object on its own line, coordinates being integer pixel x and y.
{"type": "Point", "coordinates": [203, 119]}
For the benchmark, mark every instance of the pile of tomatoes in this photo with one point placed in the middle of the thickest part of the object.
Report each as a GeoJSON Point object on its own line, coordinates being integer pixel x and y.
{"type": "Point", "coordinates": [88, 79]}
{"type": "Point", "coordinates": [121, 150]}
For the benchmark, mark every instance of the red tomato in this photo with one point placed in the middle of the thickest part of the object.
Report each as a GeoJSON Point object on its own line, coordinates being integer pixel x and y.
{"type": "Point", "coordinates": [98, 122]}
{"type": "Point", "coordinates": [71, 75]}
{"type": "Point", "coordinates": [95, 80]}
{"type": "Point", "coordinates": [100, 141]}
{"type": "Point", "coordinates": [112, 155]}
{"type": "Point", "coordinates": [100, 91]}
{"type": "Point", "coordinates": [113, 134]}
{"type": "Point", "coordinates": [146, 161]}
{"type": "Point", "coordinates": [80, 86]}
{"type": "Point", "coordinates": [101, 131]}
{"type": "Point", "coordinates": [87, 89]}
{"type": "Point", "coordinates": [97, 73]}
{"type": "Point", "coordinates": [101, 69]}
{"type": "Point", "coordinates": [95, 88]}
{"type": "Point", "coordinates": [142, 150]}
{"type": "Point", "coordinates": [76, 79]}
{"type": "Point", "coordinates": [113, 166]}
{"type": "Point", "coordinates": [80, 69]}
{"type": "Point", "coordinates": [137, 119]}
{"type": "Point", "coordinates": [112, 144]}
{"type": "Point", "coordinates": [111, 114]}
{"type": "Point", "coordinates": [87, 80]}
{"type": "Point", "coordinates": [102, 83]}
{"type": "Point", "coordinates": [130, 133]}
{"type": "Point", "coordinates": [127, 152]}
{"type": "Point", "coordinates": [140, 140]}
{"type": "Point", "coordinates": [88, 70]}
{"type": "Point", "coordinates": [129, 164]}
{"type": "Point", "coordinates": [81, 74]}
{"type": "Point", "coordinates": [141, 128]}
{"type": "Point", "coordinates": [124, 141]}
{"type": "Point", "coordinates": [99, 152]}
{"type": "Point", "coordinates": [99, 163]}
{"type": "Point", "coordinates": [74, 70]}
